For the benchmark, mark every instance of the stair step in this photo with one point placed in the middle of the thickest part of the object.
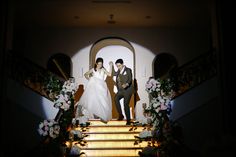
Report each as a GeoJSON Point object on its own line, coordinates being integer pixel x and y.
{"type": "Point", "coordinates": [112, 128]}
{"type": "Point", "coordinates": [111, 122]}
{"type": "Point", "coordinates": [110, 156]}
{"type": "Point", "coordinates": [114, 148]}
{"type": "Point", "coordinates": [113, 143]}
{"type": "Point", "coordinates": [107, 140]}
{"type": "Point", "coordinates": [110, 135]}
{"type": "Point", "coordinates": [119, 151]}
{"type": "Point", "coordinates": [111, 132]}
{"type": "Point", "coordinates": [113, 139]}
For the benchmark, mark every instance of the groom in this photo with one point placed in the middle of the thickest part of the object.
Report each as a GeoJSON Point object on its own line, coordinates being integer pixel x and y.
{"type": "Point", "coordinates": [125, 89]}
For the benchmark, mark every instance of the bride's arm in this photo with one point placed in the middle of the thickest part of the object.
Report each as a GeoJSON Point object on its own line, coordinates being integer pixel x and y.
{"type": "Point", "coordinates": [110, 70]}
{"type": "Point", "coordinates": [88, 73]}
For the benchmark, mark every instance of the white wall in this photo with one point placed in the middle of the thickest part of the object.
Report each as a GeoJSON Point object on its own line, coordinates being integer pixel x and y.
{"type": "Point", "coordinates": [194, 98]}
{"type": "Point", "coordinates": [184, 43]}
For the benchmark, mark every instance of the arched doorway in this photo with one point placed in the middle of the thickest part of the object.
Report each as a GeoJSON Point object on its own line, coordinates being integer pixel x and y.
{"type": "Point", "coordinates": [106, 48]}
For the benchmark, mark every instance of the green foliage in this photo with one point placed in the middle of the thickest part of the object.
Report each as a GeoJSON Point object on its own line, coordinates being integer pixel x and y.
{"type": "Point", "coordinates": [52, 86]}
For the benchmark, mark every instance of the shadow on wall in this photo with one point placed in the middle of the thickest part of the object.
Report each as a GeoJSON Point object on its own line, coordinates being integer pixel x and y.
{"type": "Point", "coordinates": [164, 63]}
{"type": "Point", "coordinates": [60, 64]}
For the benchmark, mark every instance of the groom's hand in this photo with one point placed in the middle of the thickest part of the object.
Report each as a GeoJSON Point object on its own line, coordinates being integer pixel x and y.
{"type": "Point", "coordinates": [125, 85]}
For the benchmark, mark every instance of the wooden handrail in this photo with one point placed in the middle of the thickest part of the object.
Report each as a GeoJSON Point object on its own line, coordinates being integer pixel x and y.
{"type": "Point", "coordinates": [60, 69]}
{"type": "Point", "coordinates": [192, 73]}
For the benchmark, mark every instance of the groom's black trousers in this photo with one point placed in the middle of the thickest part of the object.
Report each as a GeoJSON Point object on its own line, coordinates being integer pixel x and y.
{"type": "Point", "coordinates": [126, 94]}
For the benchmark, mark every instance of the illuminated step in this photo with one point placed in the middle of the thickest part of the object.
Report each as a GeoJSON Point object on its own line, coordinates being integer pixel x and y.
{"type": "Point", "coordinates": [128, 152]}
{"type": "Point", "coordinates": [113, 143]}
{"type": "Point", "coordinates": [110, 135]}
{"type": "Point", "coordinates": [112, 122]}
{"type": "Point", "coordinates": [113, 139]}
{"type": "Point", "coordinates": [112, 128]}
{"type": "Point", "coordinates": [108, 156]}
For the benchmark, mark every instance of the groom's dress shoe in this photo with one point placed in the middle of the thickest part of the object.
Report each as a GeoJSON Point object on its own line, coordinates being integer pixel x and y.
{"type": "Point", "coordinates": [128, 123]}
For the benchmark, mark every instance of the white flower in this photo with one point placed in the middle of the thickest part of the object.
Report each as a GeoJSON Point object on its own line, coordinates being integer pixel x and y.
{"type": "Point", "coordinates": [83, 120]}
{"type": "Point", "coordinates": [73, 121]}
{"type": "Point", "coordinates": [56, 129]}
{"type": "Point", "coordinates": [46, 128]}
{"type": "Point", "coordinates": [143, 121]}
{"type": "Point", "coordinates": [156, 104]}
{"type": "Point", "coordinates": [45, 122]}
{"type": "Point", "coordinates": [40, 131]}
{"type": "Point", "coordinates": [77, 132]}
{"type": "Point", "coordinates": [41, 125]}
{"type": "Point", "coordinates": [49, 127]}
{"type": "Point", "coordinates": [75, 150]}
{"type": "Point", "coordinates": [45, 133]}
{"type": "Point", "coordinates": [51, 122]}
{"type": "Point", "coordinates": [145, 134]}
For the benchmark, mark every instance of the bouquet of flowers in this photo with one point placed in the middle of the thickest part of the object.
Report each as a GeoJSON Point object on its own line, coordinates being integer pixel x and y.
{"type": "Point", "coordinates": [49, 127]}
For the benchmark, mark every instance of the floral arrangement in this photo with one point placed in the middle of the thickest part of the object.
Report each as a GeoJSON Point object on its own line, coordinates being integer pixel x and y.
{"type": "Point", "coordinates": [52, 86]}
{"type": "Point", "coordinates": [161, 93]}
{"type": "Point", "coordinates": [49, 127]}
{"type": "Point", "coordinates": [63, 100]}
{"type": "Point", "coordinates": [61, 129]}
{"type": "Point", "coordinates": [164, 136]}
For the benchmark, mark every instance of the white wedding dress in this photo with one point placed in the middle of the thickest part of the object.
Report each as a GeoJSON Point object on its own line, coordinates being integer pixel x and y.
{"type": "Point", "coordinates": [96, 99]}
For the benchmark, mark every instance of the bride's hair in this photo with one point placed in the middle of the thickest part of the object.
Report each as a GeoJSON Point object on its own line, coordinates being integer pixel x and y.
{"type": "Point", "coordinates": [97, 61]}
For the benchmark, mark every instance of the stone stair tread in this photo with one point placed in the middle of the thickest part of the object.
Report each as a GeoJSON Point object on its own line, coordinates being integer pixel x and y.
{"type": "Point", "coordinates": [111, 148]}
{"type": "Point", "coordinates": [111, 140]}
{"type": "Point", "coordinates": [118, 125]}
{"type": "Point", "coordinates": [120, 132]}
{"type": "Point", "coordinates": [108, 140]}
{"type": "Point", "coordinates": [112, 156]}
{"type": "Point", "coordinates": [111, 122]}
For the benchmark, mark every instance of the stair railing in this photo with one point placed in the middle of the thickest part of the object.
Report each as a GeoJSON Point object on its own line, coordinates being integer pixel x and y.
{"type": "Point", "coordinates": [194, 72]}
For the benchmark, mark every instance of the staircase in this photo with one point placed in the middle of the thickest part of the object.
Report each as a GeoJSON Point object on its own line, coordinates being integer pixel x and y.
{"type": "Point", "coordinates": [111, 139]}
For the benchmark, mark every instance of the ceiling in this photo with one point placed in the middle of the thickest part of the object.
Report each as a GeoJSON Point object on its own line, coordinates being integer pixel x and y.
{"type": "Point", "coordinates": [112, 13]}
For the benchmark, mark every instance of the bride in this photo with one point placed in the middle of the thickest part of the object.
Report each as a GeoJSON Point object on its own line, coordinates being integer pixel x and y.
{"type": "Point", "coordinates": [96, 99]}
